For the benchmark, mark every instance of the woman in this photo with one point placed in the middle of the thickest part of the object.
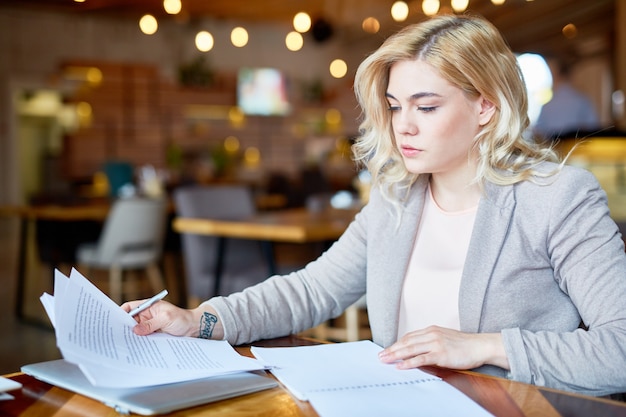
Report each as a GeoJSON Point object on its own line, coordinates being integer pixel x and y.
{"type": "Point", "coordinates": [477, 249]}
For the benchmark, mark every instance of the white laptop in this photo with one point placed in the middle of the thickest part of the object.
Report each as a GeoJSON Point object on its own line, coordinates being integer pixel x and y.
{"type": "Point", "coordinates": [152, 400]}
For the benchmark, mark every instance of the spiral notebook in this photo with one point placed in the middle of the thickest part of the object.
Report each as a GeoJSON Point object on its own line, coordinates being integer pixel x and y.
{"type": "Point", "coordinates": [340, 379]}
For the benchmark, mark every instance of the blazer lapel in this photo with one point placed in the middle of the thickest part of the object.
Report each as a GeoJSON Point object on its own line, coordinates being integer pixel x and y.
{"type": "Point", "coordinates": [490, 228]}
{"type": "Point", "coordinates": [401, 247]}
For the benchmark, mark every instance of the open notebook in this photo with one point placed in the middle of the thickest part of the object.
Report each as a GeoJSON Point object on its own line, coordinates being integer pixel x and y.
{"type": "Point", "coordinates": [152, 400]}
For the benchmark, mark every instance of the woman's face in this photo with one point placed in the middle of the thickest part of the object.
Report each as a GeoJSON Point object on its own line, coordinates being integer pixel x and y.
{"type": "Point", "coordinates": [433, 121]}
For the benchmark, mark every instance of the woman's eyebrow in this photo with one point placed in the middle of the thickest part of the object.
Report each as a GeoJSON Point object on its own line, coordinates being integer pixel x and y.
{"type": "Point", "coordinates": [415, 96]}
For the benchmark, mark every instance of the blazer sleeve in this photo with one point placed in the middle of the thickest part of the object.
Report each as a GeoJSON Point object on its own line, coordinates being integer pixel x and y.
{"type": "Point", "coordinates": [283, 305]}
{"type": "Point", "coordinates": [589, 264]}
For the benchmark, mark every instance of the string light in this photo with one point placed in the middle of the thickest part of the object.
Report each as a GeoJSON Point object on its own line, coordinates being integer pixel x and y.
{"type": "Point", "coordinates": [148, 24]}
{"type": "Point", "coordinates": [294, 41]}
{"type": "Point", "coordinates": [459, 5]}
{"type": "Point", "coordinates": [430, 7]}
{"type": "Point", "coordinates": [338, 68]}
{"type": "Point", "coordinates": [204, 41]}
{"type": "Point", "coordinates": [239, 37]}
{"type": "Point", "coordinates": [172, 6]}
{"type": "Point", "coordinates": [302, 22]}
{"type": "Point", "coordinates": [399, 11]}
{"type": "Point", "coordinates": [371, 25]}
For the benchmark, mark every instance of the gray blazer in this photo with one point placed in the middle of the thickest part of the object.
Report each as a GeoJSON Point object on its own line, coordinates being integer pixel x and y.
{"type": "Point", "coordinates": [546, 267]}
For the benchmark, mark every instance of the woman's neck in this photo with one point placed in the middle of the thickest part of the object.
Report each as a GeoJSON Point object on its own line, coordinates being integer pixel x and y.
{"type": "Point", "coordinates": [455, 193]}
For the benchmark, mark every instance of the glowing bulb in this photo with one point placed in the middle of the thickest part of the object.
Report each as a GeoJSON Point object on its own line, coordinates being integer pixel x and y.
{"type": "Point", "coordinates": [338, 68]}
{"type": "Point", "coordinates": [148, 24]}
{"type": "Point", "coordinates": [430, 7]}
{"type": "Point", "coordinates": [371, 25]}
{"type": "Point", "coordinates": [302, 22]}
{"type": "Point", "coordinates": [239, 37]}
{"type": "Point", "coordinates": [204, 41]}
{"type": "Point", "coordinates": [294, 41]}
{"type": "Point", "coordinates": [399, 11]}
{"type": "Point", "coordinates": [459, 5]}
{"type": "Point", "coordinates": [172, 6]}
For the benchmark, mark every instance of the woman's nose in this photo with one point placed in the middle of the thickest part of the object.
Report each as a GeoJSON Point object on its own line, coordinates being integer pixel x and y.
{"type": "Point", "coordinates": [405, 124]}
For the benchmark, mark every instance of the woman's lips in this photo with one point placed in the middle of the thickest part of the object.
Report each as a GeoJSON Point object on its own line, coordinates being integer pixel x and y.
{"type": "Point", "coordinates": [408, 151]}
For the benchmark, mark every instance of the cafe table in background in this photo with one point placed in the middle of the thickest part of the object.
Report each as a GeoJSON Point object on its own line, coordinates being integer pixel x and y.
{"type": "Point", "coordinates": [300, 225]}
{"type": "Point", "coordinates": [84, 217]}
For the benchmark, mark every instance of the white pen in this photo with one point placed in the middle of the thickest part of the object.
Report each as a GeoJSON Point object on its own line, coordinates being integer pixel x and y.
{"type": "Point", "coordinates": [141, 307]}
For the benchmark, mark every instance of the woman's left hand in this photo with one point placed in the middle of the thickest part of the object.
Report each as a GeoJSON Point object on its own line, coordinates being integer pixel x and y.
{"type": "Point", "coordinates": [446, 348]}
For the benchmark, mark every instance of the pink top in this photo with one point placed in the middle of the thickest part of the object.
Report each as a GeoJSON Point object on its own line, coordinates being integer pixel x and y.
{"type": "Point", "coordinates": [430, 294]}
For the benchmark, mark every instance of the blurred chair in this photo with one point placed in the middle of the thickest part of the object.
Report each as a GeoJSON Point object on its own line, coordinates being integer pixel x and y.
{"type": "Point", "coordinates": [243, 261]}
{"type": "Point", "coordinates": [132, 239]}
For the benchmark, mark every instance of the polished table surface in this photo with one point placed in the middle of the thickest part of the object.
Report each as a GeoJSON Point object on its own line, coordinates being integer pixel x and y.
{"type": "Point", "coordinates": [498, 396]}
{"type": "Point", "coordinates": [294, 225]}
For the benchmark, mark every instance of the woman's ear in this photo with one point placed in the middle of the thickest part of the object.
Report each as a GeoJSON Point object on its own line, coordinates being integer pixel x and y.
{"type": "Point", "coordinates": [487, 110]}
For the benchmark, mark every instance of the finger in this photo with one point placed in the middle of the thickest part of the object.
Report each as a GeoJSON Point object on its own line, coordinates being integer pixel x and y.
{"type": "Point", "coordinates": [146, 327]}
{"type": "Point", "coordinates": [423, 359]}
{"type": "Point", "coordinates": [129, 305]}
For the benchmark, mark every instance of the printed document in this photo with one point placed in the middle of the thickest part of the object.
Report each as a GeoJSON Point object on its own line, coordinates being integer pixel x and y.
{"type": "Point", "coordinates": [342, 379]}
{"type": "Point", "coordinates": [93, 332]}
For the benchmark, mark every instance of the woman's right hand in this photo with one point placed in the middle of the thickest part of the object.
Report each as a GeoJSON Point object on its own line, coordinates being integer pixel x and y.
{"type": "Point", "coordinates": [167, 318]}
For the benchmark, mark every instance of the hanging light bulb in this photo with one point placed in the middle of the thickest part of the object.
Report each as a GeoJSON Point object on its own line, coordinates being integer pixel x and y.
{"type": "Point", "coordinates": [459, 6]}
{"type": "Point", "coordinates": [498, 2]}
{"type": "Point", "coordinates": [148, 24]}
{"type": "Point", "coordinates": [294, 41]}
{"type": "Point", "coordinates": [430, 7]}
{"type": "Point", "coordinates": [302, 22]}
{"type": "Point", "coordinates": [370, 25]}
{"type": "Point", "coordinates": [239, 37]}
{"type": "Point", "coordinates": [338, 68]}
{"type": "Point", "coordinates": [400, 11]}
{"type": "Point", "coordinates": [204, 41]}
{"type": "Point", "coordinates": [172, 6]}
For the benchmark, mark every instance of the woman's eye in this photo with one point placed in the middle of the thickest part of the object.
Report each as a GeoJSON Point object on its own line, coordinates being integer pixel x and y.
{"type": "Point", "coordinates": [426, 109]}
{"type": "Point", "coordinates": [393, 108]}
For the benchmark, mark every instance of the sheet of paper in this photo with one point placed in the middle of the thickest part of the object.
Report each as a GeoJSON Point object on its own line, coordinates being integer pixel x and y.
{"type": "Point", "coordinates": [7, 384]}
{"type": "Point", "coordinates": [432, 399]}
{"type": "Point", "coordinates": [95, 333]}
{"type": "Point", "coordinates": [343, 379]}
{"type": "Point", "coordinates": [212, 358]}
{"type": "Point", "coordinates": [48, 304]}
{"type": "Point", "coordinates": [307, 369]}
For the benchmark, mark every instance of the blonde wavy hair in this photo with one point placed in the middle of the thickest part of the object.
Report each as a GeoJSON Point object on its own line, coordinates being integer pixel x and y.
{"type": "Point", "coordinates": [470, 53]}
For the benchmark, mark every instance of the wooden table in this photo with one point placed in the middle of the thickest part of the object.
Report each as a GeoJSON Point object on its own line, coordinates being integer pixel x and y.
{"type": "Point", "coordinates": [499, 396]}
{"type": "Point", "coordinates": [290, 226]}
{"type": "Point", "coordinates": [28, 215]}
{"type": "Point", "coordinates": [294, 226]}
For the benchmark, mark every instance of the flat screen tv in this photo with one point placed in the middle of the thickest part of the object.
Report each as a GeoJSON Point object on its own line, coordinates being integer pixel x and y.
{"type": "Point", "coordinates": [262, 92]}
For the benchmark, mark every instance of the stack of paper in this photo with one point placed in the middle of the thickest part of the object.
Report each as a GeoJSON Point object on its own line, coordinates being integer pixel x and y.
{"type": "Point", "coordinates": [93, 332]}
{"type": "Point", "coordinates": [348, 379]}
